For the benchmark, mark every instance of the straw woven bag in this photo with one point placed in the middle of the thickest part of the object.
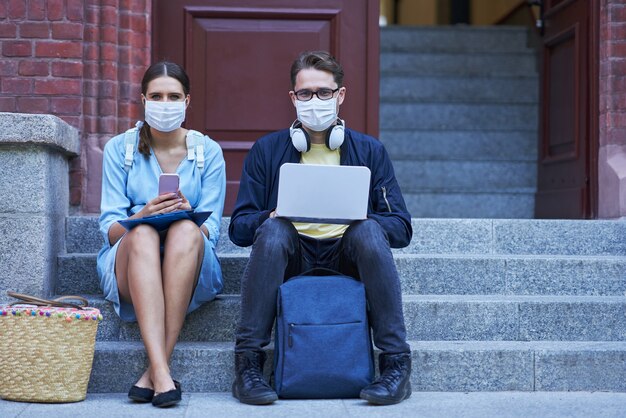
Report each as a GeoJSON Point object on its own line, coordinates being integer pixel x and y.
{"type": "Point", "coordinates": [47, 348]}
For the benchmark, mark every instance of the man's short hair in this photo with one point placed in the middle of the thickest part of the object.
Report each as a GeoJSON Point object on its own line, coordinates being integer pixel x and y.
{"type": "Point", "coordinates": [319, 60]}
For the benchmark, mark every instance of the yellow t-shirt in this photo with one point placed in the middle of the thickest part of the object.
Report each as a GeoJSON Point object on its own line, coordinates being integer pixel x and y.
{"type": "Point", "coordinates": [320, 154]}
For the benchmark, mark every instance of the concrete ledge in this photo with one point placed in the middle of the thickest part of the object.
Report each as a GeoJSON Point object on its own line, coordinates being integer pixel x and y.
{"type": "Point", "coordinates": [34, 180]}
{"type": "Point", "coordinates": [46, 130]}
{"type": "Point", "coordinates": [26, 245]}
{"type": "Point", "coordinates": [34, 199]}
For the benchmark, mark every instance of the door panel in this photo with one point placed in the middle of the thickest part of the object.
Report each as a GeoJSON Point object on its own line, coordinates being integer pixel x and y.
{"type": "Point", "coordinates": [562, 105]}
{"type": "Point", "coordinates": [238, 55]}
{"type": "Point", "coordinates": [568, 131]}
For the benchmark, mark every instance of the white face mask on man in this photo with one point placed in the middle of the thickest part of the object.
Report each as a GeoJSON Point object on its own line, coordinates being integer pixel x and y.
{"type": "Point", "coordinates": [165, 116]}
{"type": "Point", "coordinates": [316, 114]}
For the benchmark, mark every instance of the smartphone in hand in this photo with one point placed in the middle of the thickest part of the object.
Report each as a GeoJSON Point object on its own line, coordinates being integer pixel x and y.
{"type": "Point", "coordinates": [168, 183]}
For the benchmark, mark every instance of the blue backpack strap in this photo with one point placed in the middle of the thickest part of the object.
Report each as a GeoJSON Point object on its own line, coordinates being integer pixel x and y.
{"type": "Point", "coordinates": [130, 144]}
{"type": "Point", "coordinates": [195, 148]}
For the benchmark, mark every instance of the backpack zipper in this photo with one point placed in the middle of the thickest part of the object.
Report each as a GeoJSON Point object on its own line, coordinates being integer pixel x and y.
{"type": "Point", "coordinates": [384, 189]}
{"type": "Point", "coordinates": [292, 326]}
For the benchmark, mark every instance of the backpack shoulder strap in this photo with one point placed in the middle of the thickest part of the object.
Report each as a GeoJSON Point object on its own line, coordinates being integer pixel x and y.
{"type": "Point", "coordinates": [130, 144]}
{"type": "Point", "coordinates": [195, 148]}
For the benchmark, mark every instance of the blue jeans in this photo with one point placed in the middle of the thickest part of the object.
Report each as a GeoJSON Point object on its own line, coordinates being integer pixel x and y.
{"type": "Point", "coordinates": [279, 252]}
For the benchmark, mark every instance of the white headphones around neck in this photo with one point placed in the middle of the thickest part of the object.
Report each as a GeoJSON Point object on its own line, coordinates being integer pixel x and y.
{"type": "Point", "coordinates": [301, 141]}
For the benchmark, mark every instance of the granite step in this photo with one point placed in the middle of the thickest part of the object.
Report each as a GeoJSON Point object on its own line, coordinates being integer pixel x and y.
{"type": "Point", "coordinates": [437, 274]}
{"type": "Point", "coordinates": [509, 203]}
{"type": "Point", "coordinates": [487, 39]}
{"type": "Point", "coordinates": [479, 64]}
{"type": "Point", "coordinates": [467, 176]}
{"type": "Point", "coordinates": [433, 317]}
{"type": "Point", "coordinates": [458, 116]}
{"type": "Point", "coordinates": [419, 145]}
{"type": "Point", "coordinates": [433, 89]}
{"type": "Point", "coordinates": [463, 366]}
{"type": "Point", "coordinates": [446, 236]}
{"type": "Point", "coordinates": [438, 84]}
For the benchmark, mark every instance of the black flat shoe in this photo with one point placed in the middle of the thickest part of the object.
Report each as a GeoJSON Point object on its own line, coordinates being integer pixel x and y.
{"type": "Point", "coordinates": [169, 398]}
{"type": "Point", "coordinates": [139, 394]}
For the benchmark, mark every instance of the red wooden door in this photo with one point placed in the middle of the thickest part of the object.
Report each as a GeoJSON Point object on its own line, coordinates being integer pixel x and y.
{"type": "Point", "coordinates": [238, 54]}
{"type": "Point", "coordinates": [568, 140]}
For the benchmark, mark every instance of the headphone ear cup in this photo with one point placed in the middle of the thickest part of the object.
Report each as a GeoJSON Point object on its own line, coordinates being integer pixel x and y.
{"type": "Point", "coordinates": [300, 139]}
{"type": "Point", "coordinates": [335, 136]}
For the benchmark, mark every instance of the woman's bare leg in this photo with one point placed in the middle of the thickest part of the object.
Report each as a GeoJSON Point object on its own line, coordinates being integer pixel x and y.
{"type": "Point", "coordinates": [183, 253]}
{"type": "Point", "coordinates": [139, 278]}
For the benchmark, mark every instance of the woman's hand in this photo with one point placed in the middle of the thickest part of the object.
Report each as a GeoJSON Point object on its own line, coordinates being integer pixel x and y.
{"type": "Point", "coordinates": [185, 205]}
{"type": "Point", "coordinates": [165, 203]}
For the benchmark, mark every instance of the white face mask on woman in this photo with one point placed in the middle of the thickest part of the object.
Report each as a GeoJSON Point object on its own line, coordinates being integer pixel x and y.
{"type": "Point", "coordinates": [316, 114]}
{"type": "Point", "coordinates": [165, 116]}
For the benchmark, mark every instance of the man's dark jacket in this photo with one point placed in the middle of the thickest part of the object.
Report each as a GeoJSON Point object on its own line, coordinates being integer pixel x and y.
{"type": "Point", "coordinates": [258, 189]}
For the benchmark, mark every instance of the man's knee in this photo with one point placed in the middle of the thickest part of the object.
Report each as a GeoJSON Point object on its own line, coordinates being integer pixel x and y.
{"type": "Point", "coordinates": [366, 236]}
{"type": "Point", "coordinates": [365, 229]}
{"type": "Point", "coordinates": [275, 232]}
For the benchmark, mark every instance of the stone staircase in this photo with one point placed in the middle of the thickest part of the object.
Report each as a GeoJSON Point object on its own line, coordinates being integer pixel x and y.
{"type": "Point", "coordinates": [458, 115]}
{"type": "Point", "coordinates": [490, 305]}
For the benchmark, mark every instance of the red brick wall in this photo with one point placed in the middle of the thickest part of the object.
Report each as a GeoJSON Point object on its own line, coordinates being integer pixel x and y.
{"type": "Point", "coordinates": [81, 60]}
{"type": "Point", "coordinates": [613, 72]}
{"type": "Point", "coordinates": [612, 86]}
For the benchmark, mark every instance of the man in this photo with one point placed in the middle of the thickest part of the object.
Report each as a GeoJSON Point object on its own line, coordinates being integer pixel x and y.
{"type": "Point", "coordinates": [282, 249]}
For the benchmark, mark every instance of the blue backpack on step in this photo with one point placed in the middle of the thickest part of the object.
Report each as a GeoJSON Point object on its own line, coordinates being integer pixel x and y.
{"type": "Point", "coordinates": [323, 347]}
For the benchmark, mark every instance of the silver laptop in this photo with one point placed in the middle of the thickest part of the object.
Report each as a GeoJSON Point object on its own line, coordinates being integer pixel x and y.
{"type": "Point", "coordinates": [323, 193]}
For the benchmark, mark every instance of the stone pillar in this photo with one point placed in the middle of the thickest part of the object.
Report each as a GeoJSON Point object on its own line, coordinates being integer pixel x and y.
{"type": "Point", "coordinates": [34, 200]}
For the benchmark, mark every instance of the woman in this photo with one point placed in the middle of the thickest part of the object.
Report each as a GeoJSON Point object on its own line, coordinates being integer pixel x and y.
{"type": "Point", "coordinates": [156, 278]}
